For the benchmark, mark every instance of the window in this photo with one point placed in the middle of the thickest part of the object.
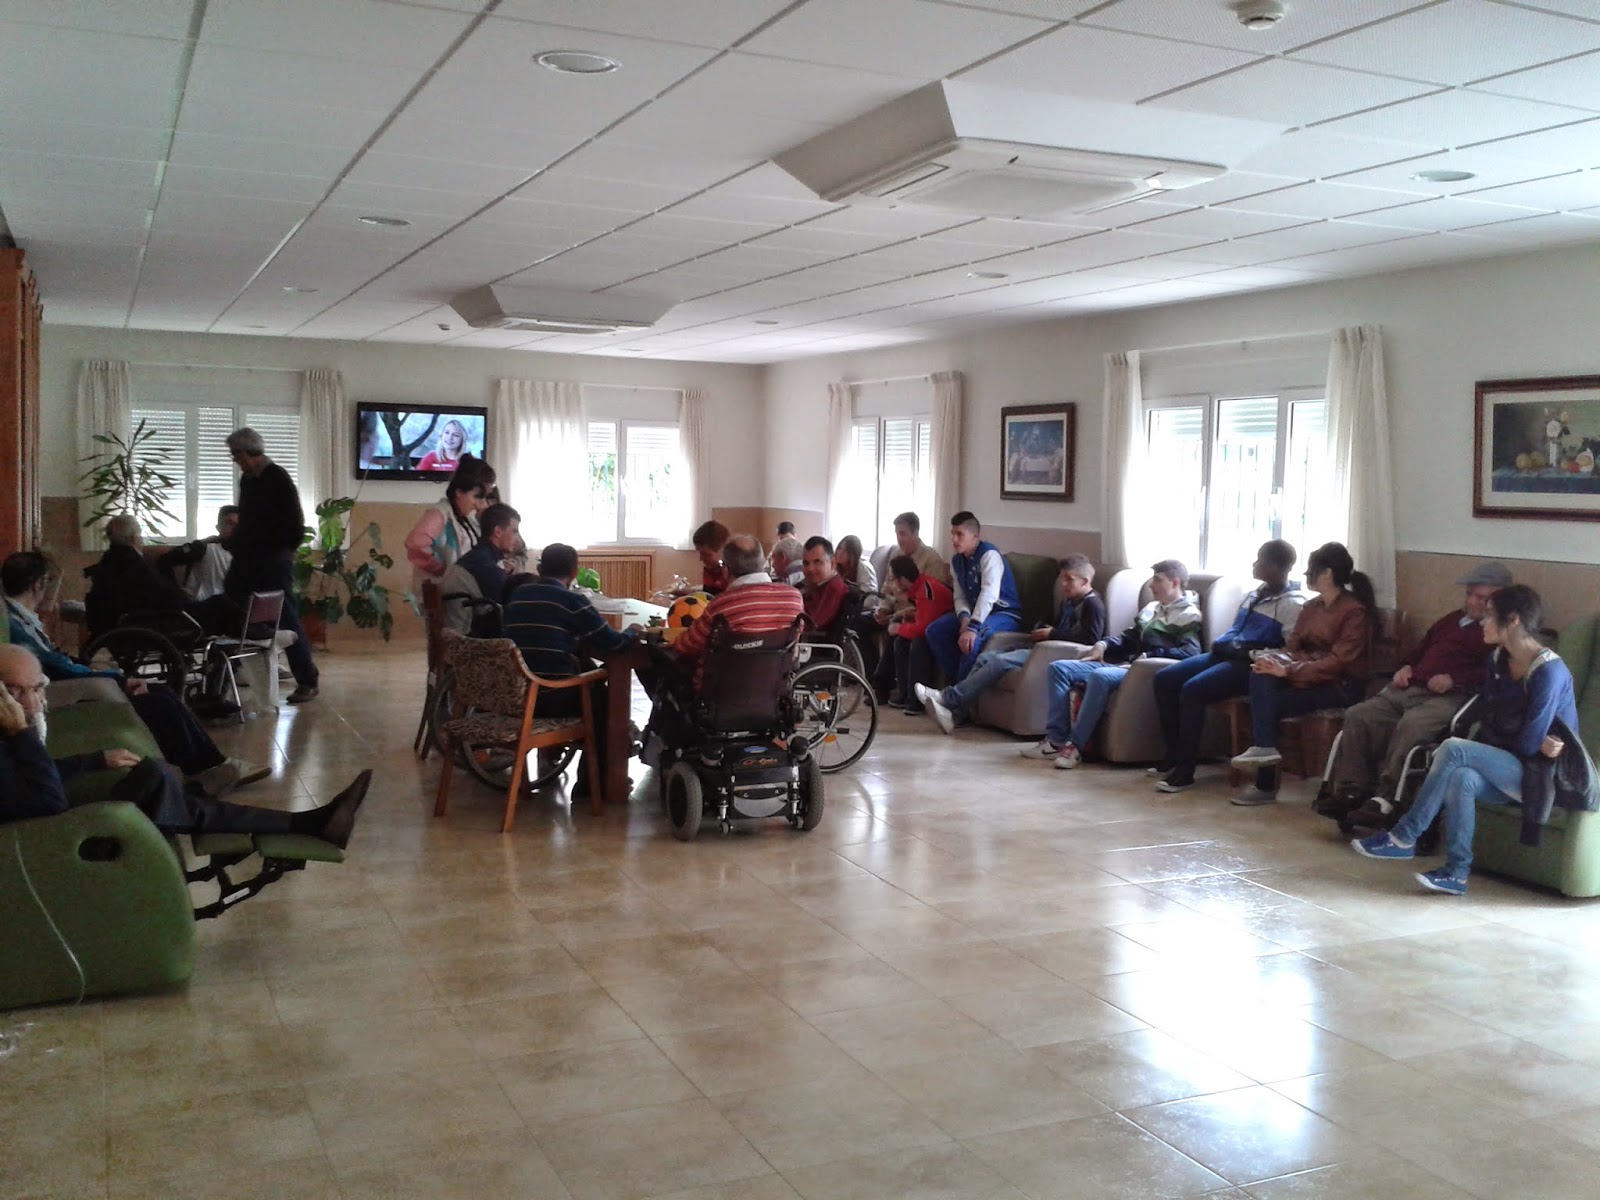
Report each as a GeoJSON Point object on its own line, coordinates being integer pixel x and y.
{"type": "Point", "coordinates": [637, 483]}
{"type": "Point", "coordinates": [890, 472]}
{"type": "Point", "coordinates": [204, 477]}
{"type": "Point", "coordinates": [1255, 466]}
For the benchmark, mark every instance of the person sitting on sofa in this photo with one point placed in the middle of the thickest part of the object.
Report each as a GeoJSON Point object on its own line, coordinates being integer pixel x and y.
{"type": "Point", "coordinates": [895, 604]}
{"type": "Point", "coordinates": [32, 784]}
{"type": "Point", "coordinates": [1167, 627]}
{"type": "Point", "coordinates": [1324, 664]}
{"type": "Point", "coordinates": [24, 577]}
{"type": "Point", "coordinates": [931, 599]}
{"type": "Point", "coordinates": [1528, 727]}
{"type": "Point", "coordinates": [1443, 671]}
{"type": "Point", "coordinates": [1183, 690]}
{"type": "Point", "coordinates": [986, 598]}
{"type": "Point", "coordinates": [1082, 619]}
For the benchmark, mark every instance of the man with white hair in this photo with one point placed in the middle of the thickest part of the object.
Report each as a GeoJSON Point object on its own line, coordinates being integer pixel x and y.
{"type": "Point", "coordinates": [271, 526]}
{"type": "Point", "coordinates": [787, 560]}
{"type": "Point", "coordinates": [32, 784]}
{"type": "Point", "coordinates": [123, 582]}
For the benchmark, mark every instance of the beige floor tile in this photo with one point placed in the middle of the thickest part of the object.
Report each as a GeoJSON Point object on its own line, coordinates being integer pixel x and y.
{"type": "Point", "coordinates": [660, 1006]}
{"type": "Point", "coordinates": [1395, 1105]}
{"type": "Point", "coordinates": [973, 967]}
{"type": "Point", "coordinates": [831, 984]}
{"type": "Point", "coordinates": [1375, 1175]}
{"type": "Point", "coordinates": [937, 1173]}
{"type": "Point", "coordinates": [989, 1091]}
{"type": "Point", "coordinates": [1083, 953]}
{"type": "Point", "coordinates": [762, 1187]}
{"type": "Point", "coordinates": [1401, 1027]}
{"type": "Point", "coordinates": [1522, 1159]}
{"type": "Point", "coordinates": [563, 1085]}
{"type": "Point", "coordinates": [1269, 1045]}
{"type": "Point", "coordinates": [669, 955]}
{"type": "Point", "coordinates": [892, 1035]}
{"type": "Point", "coordinates": [472, 1167]}
{"type": "Point", "coordinates": [1132, 1070]}
{"type": "Point", "coordinates": [501, 974]}
{"type": "Point", "coordinates": [1057, 1012]}
{"type": "Point", "coordinates": [362, 1116]}
{"type": "Point", "coordinates": [774, 1050]}
{"type": "Point", "coordinates": [247, 1130]}
{"type": "Point", "coordinates": [1093, 1158]}
{"type": "Point", "coordinates": [753, 945]}
{"type": "Point", "coordinates": [53, 1148]}
{"type": "Point", "coordinates": [533, 1024]}
{"type": "Point", "coordinates": [379, 1044]}
{"type": "Point", "coordinates": [307, 1178]}
{"type": "Point", "coordinates": [826, 1120]}
{"type": "Point", "coordinates": [354, 992]}
{"type": "Point", "coordinates": [1528, 1079]}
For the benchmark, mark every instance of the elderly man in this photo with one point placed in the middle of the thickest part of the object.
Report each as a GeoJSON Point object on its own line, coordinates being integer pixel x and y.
{"type": "Point", "coordinates": [271, 525]}
{"type": "Point", "coordinates": [787, 561]}
{"type": "Point", "coordinates": [33, 785]}
{"type": "Point", "coordinates": [482, 572]}
{"type": "Point", "coordinates": [123, 581]}
{"type": "Point", "coordinates": [1444, 670]}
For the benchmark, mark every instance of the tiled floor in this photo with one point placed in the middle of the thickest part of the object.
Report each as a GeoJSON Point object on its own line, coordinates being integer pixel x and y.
{"type": "Point", "coordinates": [979, 978]}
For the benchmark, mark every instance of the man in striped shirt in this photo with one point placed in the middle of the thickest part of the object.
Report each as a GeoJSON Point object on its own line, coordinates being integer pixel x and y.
{"type": "Point", "coordinates": [752, 603]}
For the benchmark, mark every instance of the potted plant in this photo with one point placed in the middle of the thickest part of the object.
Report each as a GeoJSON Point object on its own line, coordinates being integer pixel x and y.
{"type": "Point", "coordinates": [127, 478]}
{"type": "Point", "coordinates": [337, 576]}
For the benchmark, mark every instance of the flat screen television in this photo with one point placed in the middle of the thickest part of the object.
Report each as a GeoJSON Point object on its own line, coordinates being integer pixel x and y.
{"type": "Point", "coordinates": [415, 441]}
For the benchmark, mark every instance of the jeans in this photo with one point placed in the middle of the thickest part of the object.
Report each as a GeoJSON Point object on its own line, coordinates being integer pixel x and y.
{"type": "Point", "coordinates": [944, 636]}
{"type": "Point", "coordinates": [985, 673]}
{"type": "Point", "coordinates": [1097, 680]}
{"type": "Point", "coordinates": [1463, 772]}
{"type": "Point", "coordinates": [1182, 692]}
{"type": "Point", "coordinates": [1272, 699]}
{"type": "Point", "coordinates": [913, 664]}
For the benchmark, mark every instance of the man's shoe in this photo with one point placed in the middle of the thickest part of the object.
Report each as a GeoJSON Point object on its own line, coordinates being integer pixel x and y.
{"type": "Point", "coordinates": [300, 695]}
{"type": "Point", "coordinates": [1258, 756]}
{"type": "Point", "coordinates": [1253, 798]}
{"type": "Point", "coordinates": [1382, 845]}
{"type": "Point", "coordinates": [1440, 880]}
{"type": "Point", "coordinates": [914, 710]}
{"type": "Point", "coordinates": [252, 774]}
{"type": "Point", "coordinates": [1068, 758]}
{"type": "Point", "coordinates": [219, 780]}
{"type": "Point", "coordinates": [1176, 781]}
{"type": "Point", "coordinates": [1158, 770]}
{"type": "Point", "coordinates": [930, 699]}
{"type": "Point", "coordinates": [342, 811]}
{"type": "Point", "coordinates": [1040, 751]}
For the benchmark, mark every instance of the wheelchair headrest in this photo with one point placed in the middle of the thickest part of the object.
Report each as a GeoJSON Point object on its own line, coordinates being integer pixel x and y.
{"type": "Point", "coordinates": [745, 679]}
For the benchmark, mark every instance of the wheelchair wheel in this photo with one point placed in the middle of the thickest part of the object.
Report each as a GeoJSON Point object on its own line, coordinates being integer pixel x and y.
{"type": "Point", "coordinates": [491, 765]}
{"type": "Point", "coordinates": [685, 801]}
{"type": "Point", "coordinates": [836, 712]}
{"type": "Point", "coordinates": [811, 796]}
{"type": "Point", "coordinates": [139, 654]}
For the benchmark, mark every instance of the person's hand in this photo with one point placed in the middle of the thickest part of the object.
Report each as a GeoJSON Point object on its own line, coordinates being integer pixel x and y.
{"type": "Point", "coordinates": [1271, 666]}
{"type": "Point", "coordinates": [1039, 635]}
{"type": "Point", "coordinates": [967, 640]}
{"type": "Point", "coordinates": [1402, 677]}
{"type": "Point", "coordinates": [135, 687]}
{"type": "Point", "coordinates": [1441, 685]}
{"type": "Point", "coordinates": [1552, 746]}
{"type": "Point", "coordinates": [1095, 653]}
{"type": "Point", "coordinates": [883, 616]}
{"type": "Point", "coordinates": [118, 758]}
{"type": "Point", "coordinates": [12, 719]}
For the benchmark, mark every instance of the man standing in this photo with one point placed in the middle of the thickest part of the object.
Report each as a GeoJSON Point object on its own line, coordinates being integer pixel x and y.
{"type": "Point", "coordinates": [1437, 678]}
{"type": "Point", "coordinates": [986, 600]}
{"type": "Point", "coordinates": [824, 592]}
{"type": "Point", "coordinates": [271, 526]}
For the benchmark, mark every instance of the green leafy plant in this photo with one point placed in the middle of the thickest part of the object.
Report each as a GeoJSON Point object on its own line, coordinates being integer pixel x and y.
{"type": "Point", "coordinates": [127, 478]}
{"type": "Point", "coordinates": [337, 575]}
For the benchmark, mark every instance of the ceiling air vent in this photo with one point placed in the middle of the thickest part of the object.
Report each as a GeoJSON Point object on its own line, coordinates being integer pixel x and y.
{"type": "Point", "coordinates": [553, 310]}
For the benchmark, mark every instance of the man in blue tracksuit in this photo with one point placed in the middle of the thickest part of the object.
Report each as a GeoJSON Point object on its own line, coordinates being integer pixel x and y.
{"type": "Point", "coordinates": [1184, 689]}
{"type": "Point", "coordinates": [986, 600]}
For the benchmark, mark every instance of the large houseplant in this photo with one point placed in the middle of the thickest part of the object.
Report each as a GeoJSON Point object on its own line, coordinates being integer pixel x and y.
{"type": "Point", "coordinates": [126, 478]}
{"type": "Point", "coordinates": [336, 575]}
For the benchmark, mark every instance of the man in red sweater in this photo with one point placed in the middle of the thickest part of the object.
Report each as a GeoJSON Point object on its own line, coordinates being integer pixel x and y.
{"type": "Point", "coordinates": [824, 591]}
{"type": "Point", "coordinates": [1444, 670]}
{"type": "Point", "coordinates": [932, 598]}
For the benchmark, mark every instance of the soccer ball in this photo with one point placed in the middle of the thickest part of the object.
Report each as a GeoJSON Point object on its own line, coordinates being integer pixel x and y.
{"type": "Point", "coordinates": [684, 612]}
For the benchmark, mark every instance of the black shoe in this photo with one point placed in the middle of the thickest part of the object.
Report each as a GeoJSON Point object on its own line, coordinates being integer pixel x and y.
{"type": "Point", "coordinates": [341, 811]}
{"type": "Point", "coordinates": [300, 695]}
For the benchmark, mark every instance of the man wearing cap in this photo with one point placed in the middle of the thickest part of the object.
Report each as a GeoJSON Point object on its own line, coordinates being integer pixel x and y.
{"type": "Point", "coordinates": [1437, 678]}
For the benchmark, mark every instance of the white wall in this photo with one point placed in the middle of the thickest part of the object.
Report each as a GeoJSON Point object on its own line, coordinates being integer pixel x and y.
{"type": "Point", "coordinates": [1444, 328]}
{"type": "Point", "coordinates": [429, 374]}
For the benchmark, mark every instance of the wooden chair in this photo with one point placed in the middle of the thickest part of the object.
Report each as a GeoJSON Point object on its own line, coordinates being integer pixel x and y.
{"type": "Point", "coordinates": [495, 697]}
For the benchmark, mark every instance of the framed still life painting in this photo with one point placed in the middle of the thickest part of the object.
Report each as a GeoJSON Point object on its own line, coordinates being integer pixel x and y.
{"type": "Point", "coordinates": [1038, 443]}
{"type": "Point", "coordinates": [1536, 444]}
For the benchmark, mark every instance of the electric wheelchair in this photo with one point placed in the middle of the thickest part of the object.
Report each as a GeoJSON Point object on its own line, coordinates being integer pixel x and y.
{"type": "Point", "coordinates": [730, 750]}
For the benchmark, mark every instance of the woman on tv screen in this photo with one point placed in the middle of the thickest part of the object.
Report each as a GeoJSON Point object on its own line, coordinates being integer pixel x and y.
{"type": "Point", "coordinates": [447, 449]}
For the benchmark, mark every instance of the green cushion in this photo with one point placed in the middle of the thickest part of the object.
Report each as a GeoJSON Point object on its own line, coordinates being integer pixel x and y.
{"type": "Point", "coordinates": [226, 845]}
{"type": "Point", "coordinates": [1035, 576]}
{"type": "Point", "coordinates": [298, 847]}
{"type": "Point", "coordinates": [1579, 648]}
{"type": "Point", "coordinates": [93, 725]}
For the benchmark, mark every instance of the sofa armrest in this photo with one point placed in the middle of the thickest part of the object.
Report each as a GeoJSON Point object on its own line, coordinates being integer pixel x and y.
{"type": "Point", "coordinates": [1002, 642]}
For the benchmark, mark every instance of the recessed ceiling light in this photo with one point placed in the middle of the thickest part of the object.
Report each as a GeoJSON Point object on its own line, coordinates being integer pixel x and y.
{"type": "Point", "coordinates": [1441, 175]}
{"type": "Point", "coordinates": [384, 222]}
{"type": "Point", "coordinates": [986, 275]}
{"type": "Point", "coordinates": [299, 291]}
{"type": "Point", "coordinates": [762, 322]}
{"type": "Point", "coordinates": [576, 62]}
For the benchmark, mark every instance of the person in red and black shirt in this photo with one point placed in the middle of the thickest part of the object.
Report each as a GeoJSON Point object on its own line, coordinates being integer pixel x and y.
{"type": "Point", "coordinates": [824, 591]}
{"type": "Point", "coordinates": [1446, 668]}
{"type": "Point", "coordinates": [709, 540]}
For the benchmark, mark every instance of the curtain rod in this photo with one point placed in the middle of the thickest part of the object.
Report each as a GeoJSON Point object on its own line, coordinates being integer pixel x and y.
{"type": "Point", "coordinates": [216, 367]}
{"type": "Point", "coordinates": [1242, 343]}
{"type": "Point", "coordinates": [885, 379]}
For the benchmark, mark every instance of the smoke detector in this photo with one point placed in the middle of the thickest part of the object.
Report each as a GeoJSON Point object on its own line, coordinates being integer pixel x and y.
{"type": "Point", "coordinates": [1259, 15]}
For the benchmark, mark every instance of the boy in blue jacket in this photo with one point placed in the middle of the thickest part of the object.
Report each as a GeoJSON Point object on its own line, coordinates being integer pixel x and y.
{"type": "Point", "coordinates": [1184, 689]}
{"type": "Point", "coordinates": [986, 600]}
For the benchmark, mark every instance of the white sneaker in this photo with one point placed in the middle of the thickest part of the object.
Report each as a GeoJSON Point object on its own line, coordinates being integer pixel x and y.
{"type": "Point", "coordinates": [1068, 758]}
{"type": "Point", "coordinates": [930, 699]}
{"type": "Point", "coordinates": [1258, 756]}
{"type": "Point", "coordinates": [1044, 751]}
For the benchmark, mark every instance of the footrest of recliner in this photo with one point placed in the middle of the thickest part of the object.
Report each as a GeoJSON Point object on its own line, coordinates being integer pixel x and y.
{"type": "Point", "coordinates": [297, 847]}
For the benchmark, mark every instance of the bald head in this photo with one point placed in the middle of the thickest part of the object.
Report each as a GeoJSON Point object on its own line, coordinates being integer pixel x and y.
{"type": "Point", "coordinates": [123, 530]}
{"type": "Point", "coordinates": [742, 555]}
{"type": "Point", "coordinates": [22, 675]}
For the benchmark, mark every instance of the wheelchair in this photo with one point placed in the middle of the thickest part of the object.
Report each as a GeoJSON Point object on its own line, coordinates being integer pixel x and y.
{"type": "Point", "coordinates": [167, 646]}
{"type": "Point", "coordinates": [835, 705]}
{"type": "Point", "coordinates": [731, 750]}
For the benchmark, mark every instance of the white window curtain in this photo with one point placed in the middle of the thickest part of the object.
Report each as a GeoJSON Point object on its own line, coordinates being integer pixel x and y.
{"type": "Point", "coordinates": [945, 450]}
{"type": "Point", "coordinates": [694, 440]}
{"type": "Point", "coordinates": [1122, 524]}
{"type": "Point", "coordinates": [1358, 441]}
{"type": "Point", "coordinates": [841, 414]}
{"type": "Point", "coordinates": [325, 451]}
{"type": "Point", "coordinates": [105, 407]}
{"type": "Point", "coordinates": [540, 453]}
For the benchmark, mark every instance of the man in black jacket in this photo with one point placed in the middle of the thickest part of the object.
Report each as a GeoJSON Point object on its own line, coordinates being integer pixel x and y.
{"type": "Point", "coordinates": [271, 526]}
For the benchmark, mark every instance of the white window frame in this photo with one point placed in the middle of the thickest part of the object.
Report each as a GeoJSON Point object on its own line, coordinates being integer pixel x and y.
{"type": "Point", "coordinates": [882, 520]}
{"type": "Point", "coordinates": [623, 425]}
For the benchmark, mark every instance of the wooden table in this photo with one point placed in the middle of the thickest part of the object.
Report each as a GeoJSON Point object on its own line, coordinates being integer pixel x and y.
{"type": "Point", "coordinates": [619, 706]}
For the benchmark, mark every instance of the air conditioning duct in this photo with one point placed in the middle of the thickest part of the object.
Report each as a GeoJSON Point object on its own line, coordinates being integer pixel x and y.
{"type": "Point", "coordinates": [995, 152]}
{"type": "Point", "coordinates": [556, 310]}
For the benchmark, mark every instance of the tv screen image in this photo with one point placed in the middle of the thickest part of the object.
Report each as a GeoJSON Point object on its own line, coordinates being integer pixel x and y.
{"type": "Point", "coordinates": [399, 441]}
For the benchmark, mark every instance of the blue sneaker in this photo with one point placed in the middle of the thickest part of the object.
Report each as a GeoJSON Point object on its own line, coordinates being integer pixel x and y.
{"type": "Point", "coordinates": [1381, 845]}
{"type": "Point", "coordinates": [1440, 880]}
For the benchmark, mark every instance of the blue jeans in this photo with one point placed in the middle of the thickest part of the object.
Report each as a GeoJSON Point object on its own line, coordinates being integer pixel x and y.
{"type": "Point", "coordinates": [1463, 772]}
{"type": "Point", "coordinates": [1272, 699]}
{"type": "Point", "coordinates": [1097, 680]}
{"type": "Point", "coordinates": [1182, 692]}
{"type": "Point", "coordinates": [912, 665]}
{"type": "Point", "coordinates": [944, 636]}
{"type": "Point", "coordinates": [985, 673]}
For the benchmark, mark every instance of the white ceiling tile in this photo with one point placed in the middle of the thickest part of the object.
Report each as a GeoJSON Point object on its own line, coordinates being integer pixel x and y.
{"type": "Point", "coordinates": [1230, 186]}
{"type": "Point", "coordinates": [1393, 255]}
{"type": "Point", "coordinates": [143, 18]}
{"type": "Point", "coordinates": [1487, 171]}
{"type": "Point", "coordinates": [1443, 214]}
{"type": "Point", "coordinates": [1079, 60]}
{"type": "Point", "coordinates": [832, 242]}
{"type": "Point", "coordinates": [1550, 229]}
{"type": "Point", "coordinates": [896, 223]}
{"type": "Point", "coordinates": [440, 174]}
{"type": "Point", "coordinates": [605, 159]}
{"type": "Point", "coordinates": [254, 154]}
{"type": "Point", "coordinates": [760, 85]}
{"type": "Point", "coordinates": [515, 212]}
{"type": "Point", "coordinates": [1213, 22]}
{"type": "Point", "coordinates": [749, 210]}
{"type": "Point", "coordinates": [561, 186]}
{"type": "Point", "coordinates": [1295, 93]}
{"type": "Point", "coordinates": [289, 121]}
{"type": "Point", "coordinates": [1574, 82]}
{"type": "Point", "coordinates": [1569, 146]}
{"type": "Point", "coordinates": [686, 121]}
{"type": "Point", "coordinates": [363, 31]}
{"type": "Point", "coordinates": [222, 181]}
{"type": "Point", "coordinates": [1457, 42]}
{"type": "Point", "coordinates": [89, 78]}
{"type": "Point", "coordinates": [221, 73]}
{"type": "Point", "coordinates": [998, 236]}
{"type": "Point", "coordinates": [390, 198]}
{"type": "Point", "coordinates": [1320, 200]}
{"type": "Point", "coordinates": [31, 135]}
{"type": "Point", "coordinates": [417, 134]}
{"type": "Point", "coordinates": [924, 41]}
{"type": "Point", "coordinates": [1242, 253]}
{"type": "Point", "coordinates": [1212, 223]}
{"type": "Point", "coordinates": [236, 216]}
{"type": "Point", "coordinates": [1316, 154]}
{"type": "Point", "coordinates": [1560, 193]}
{"type": "Point", "coordinates": [1262, 277]}
{"type": "Point", "coordinates": [717, 23]}
{"type": "Point", "coordinates": [1454, 118]}
{"type": "Point", "coordinates": [53, 171]}
{"type": "Point", "coordinates": [1321, 236]}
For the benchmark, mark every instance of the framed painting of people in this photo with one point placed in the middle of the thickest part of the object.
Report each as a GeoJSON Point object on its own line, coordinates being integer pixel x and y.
{"type": "Point", "coordinates": [1536, 445]}
{"type": "Point", "coordinates": [1038, 443]}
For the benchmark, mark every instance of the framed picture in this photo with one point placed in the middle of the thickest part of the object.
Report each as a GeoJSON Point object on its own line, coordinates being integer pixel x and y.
{"type": "Point", "coordinates": [1535, 448]}
{"type": "Point", "coordinates": [1038, 443]}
